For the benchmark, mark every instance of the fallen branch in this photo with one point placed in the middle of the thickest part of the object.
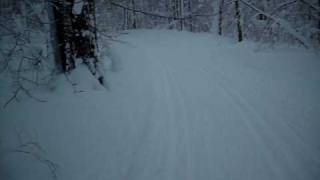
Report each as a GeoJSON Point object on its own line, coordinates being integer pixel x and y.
{"type": "Point", "coordinates": [33, 149]}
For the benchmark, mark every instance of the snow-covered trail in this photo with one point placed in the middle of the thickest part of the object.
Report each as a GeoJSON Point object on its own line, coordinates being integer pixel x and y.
{"type": "Point", "coordinates": [182, 106]}
{"type": "Point", "coordinates": [199, 125]}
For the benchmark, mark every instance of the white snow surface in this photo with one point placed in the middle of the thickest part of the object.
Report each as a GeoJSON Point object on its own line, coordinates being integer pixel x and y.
{"type": "Point", "coordinates": [178, 106]}
{"type": "Point", "coordinates": [77, 7]}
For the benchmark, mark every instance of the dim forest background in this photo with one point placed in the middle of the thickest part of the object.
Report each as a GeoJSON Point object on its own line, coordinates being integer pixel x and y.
{"type": "Point", "coordinates": [159, 89]}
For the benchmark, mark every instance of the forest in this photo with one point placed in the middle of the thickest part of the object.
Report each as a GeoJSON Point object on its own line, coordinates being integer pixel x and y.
{"type": "Point", "coordinates": [159, 89]}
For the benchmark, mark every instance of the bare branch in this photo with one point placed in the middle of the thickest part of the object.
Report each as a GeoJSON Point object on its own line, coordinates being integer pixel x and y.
{"type": "Point", "coordinates": [314, 7]}
{"type": "Point", "coordinates": [35, 150]}
{"type": "Point", "coordinates": [285, 25]}
{"type": "Point", "coordinates": [159, 15]}
{"type": "Point", "coordinates": [13, 97]}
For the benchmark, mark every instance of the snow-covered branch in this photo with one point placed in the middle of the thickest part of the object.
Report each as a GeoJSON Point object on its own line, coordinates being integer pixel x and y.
{"type": "Point", "coordinates": [283, 23]}
{"type": "Point", "coordinates": [159, 15]}
{"type": "Point", "coordinates": [312, 6]}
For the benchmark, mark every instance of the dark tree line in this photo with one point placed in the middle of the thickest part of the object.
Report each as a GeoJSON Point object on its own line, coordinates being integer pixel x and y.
{"type": "Point", "coordinates": [27, 53]}
{"type": "Point", "coordinates": [267, 21]}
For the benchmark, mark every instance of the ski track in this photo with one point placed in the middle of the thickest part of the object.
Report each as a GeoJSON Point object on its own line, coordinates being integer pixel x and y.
{"type": "Point", "coordinates": [261, 133]}
{"type": "Point", "coordinates": [175, 111]}
{"type": "Point", "coordinates": [181, 143]}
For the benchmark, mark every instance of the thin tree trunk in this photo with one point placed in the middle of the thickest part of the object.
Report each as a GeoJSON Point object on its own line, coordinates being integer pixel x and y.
{"type": "Point", "coordinates": [176, 11]}
{"type": "Point", "coordinates": [134, 23]}
{"type": "Point", "coordinates": [220, 17]}
{"type": "Point", "coordinates": [190, 11]}
{"type": "Point", "coordinates": [238, 21]}
{"type": "Point", "coordinates": [319, 22]}
{"type": "Point", "coordinates": [181, 14]}
{"type": "Point", "coordinates": [168, 10]}
{"type": "Point", "coordinates": [125, 19]}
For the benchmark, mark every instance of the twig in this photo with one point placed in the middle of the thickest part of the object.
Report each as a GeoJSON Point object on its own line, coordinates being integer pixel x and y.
{"type": "Point", "coordinates": [53, 167]}
{"type": "Point", "coordinates": [15, 94]}
{"type": "Point", "coordinates": [26, 91]}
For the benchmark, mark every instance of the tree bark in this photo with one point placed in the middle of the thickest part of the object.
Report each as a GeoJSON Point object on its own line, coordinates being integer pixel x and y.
{"type": "Point", "coordinates": [190, 11]}
{"type": "Point", "coordinates": [181, 14]}
{"type": "Point", "coordinates": [319, 22]}
{"type": "Point", "coordinates": [220, 17]}
{"type": "Point", "coordinates": [76, 34]}
{"type": "Point", "coordinates": [238, 21]}
{"type": "Point", "coordinates": [63, 17]}
{"type": "Point", "coordinates": [134, 18]}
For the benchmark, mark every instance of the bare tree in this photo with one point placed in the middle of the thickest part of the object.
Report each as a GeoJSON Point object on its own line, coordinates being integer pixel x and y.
{"type": "Point", "coordinates": [63, 22]}
{"type": "Point", "coordinates": [238, 21]}
{"type": "Point", "coordinates": [134, 15]}
{"type": "Point", "coordinates": [76, 34]}
{"type": "Point", "coordinates": [191, 19]}
{"type": "Point", "coordinates": [319, 22]}
{"type": "Point", "coordinates": [25, 54]}
{"type": "Point", "coordinates": [221, 4]}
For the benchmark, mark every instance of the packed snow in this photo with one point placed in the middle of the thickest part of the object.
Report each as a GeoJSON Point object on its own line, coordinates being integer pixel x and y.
{"type": "Point", "coordinates": [177, 106]}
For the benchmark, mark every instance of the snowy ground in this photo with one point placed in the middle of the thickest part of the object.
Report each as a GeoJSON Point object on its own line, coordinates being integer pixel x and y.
{"type": "Point", "coordinates": [179, 106]}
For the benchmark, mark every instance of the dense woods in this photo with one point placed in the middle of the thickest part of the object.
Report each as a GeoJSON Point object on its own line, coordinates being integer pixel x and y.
{"type": "Point", "coordinates": [42, 37]}
{"type": "Point", "coordinates": [269, 21]}
{"type": "Point", "coordinates": [159, 89]}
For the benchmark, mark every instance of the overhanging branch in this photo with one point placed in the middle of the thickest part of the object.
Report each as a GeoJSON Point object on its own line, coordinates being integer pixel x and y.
{"type": "Point", "coordinates": [159, 15]}
{"type": "Point", "coordinates": [285, 25]}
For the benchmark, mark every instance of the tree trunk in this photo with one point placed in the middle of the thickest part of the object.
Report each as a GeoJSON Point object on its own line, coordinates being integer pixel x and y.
{"type": "Point", "coordinates": [125, 19]}
{"type": "Point", "coordinates": [76, 34]}
{"type": "Point", "coordinates": [238, 21]}
{"type": "Point", "coordinates": [181, 14]}
{"type": "Point", "coordinates": [319, 22]}
{"type": "Point", "coordinates": [190, 12]}
{"type": "Point", "coordinates": [175, 12]}
{"type": "Point", "coordinates": [220, 17]}
{"type": "Point", "coordinates": [63, 17]}
{"type": "Point", "coordinates": [168, 10]}
{"type": "Point", "coordinates": [133, 18]}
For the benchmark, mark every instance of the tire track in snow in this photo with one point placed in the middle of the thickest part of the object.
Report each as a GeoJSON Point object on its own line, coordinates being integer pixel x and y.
{"type": "Point", "coordinates": [265, 123]}
{"type": "Point", "coordinates": [164, 134]}
{"type": "Point", "coordinates": [246, 114]}
{"type": "Point", "coordinates": [182, 124]}
{"type": "Point", "coordinates": [189, 115]}
{"type": "Point", "coordinates": [262, 131]}
{"type": "Point", "coordinates": [156, 151]}
{"type": "Point", "coordinates": [136, 164]}
{"type": "Point", "coordinates": [178, 156]}
{"type": "Point", "coordinates": [172, 136]}
{"type": "Point", "coordinates": [172, 113]}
